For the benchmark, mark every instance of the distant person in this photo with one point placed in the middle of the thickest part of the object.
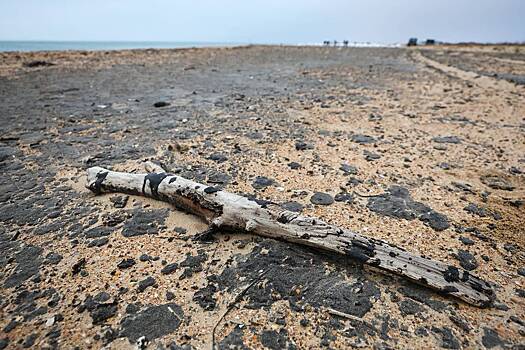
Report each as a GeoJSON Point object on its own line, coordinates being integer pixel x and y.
{"type": "Point", "coordinates": [335, 43]}
{"type": "Point", "coordinates": [345, 43]}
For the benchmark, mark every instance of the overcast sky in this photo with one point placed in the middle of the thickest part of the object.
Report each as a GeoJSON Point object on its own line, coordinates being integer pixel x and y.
{"type": "Point", "coordinates": [263, 21]}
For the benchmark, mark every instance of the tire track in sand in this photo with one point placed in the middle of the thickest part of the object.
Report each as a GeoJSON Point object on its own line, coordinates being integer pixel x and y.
{"type": "Point", "coordinates": [472, 77]}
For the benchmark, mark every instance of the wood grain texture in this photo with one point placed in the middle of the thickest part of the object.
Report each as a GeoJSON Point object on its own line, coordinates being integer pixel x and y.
{"type": "Point", "coordinates": [224, 210]}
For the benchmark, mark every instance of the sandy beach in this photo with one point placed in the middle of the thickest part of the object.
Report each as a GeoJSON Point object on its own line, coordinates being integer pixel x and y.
{"type": "Point", "coordinates": [423, 147]}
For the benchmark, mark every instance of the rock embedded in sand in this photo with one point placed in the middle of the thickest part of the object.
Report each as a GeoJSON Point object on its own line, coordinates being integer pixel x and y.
{"type": "Point", "coordinates": [370, 156]}
{"type": "Point", "coordinates": [448, 339]}
{"type": "Point", "coordinates": [161, 104]}
{"type": "Point", "coordinates": [126, 263]}
{"type": "Point", "coordinates": [344, 197]}
{"type": "Point", "coordinates": [262, 182]}
{"type": "Point", "coordinates": [146, 283]}
{"type": "Point", "coordinates": [204, 297]}
{"type": "Point", "coordinates": [447, 139]}
{"type": "Point", "coordinates": [497, 183]}
{"type": "Point", "coordinates": [303, 146]}
{"type": "Point", "coordinates": [294, 165]}
{"type": "Point", "coordinates": [293, 206]}
{"type": "Point", "coordinates": [348, 169]}
{"type": "Point", "coordinates": [466, 260]}
{"type": "Point", "coordinates": [218, 157]}
{"type": "Point", "coordinates": [320, 198]}
{"type": "Point", "coordinates": [119, 201]}
{"type": "Point", "coordinates": [363, 139]}
{"type": "Point", "coordinates": [170, 268]}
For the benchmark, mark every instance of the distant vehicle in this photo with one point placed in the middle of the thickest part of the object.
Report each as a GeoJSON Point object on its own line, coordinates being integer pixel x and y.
{"type": "Point", "coordinates": [430, 42]}
{"type": "Point", "coordinates": [412, 42]}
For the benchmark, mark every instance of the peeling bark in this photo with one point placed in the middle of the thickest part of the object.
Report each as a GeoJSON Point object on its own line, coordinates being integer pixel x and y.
{"type": "Point", "coordinates": [224, 210]}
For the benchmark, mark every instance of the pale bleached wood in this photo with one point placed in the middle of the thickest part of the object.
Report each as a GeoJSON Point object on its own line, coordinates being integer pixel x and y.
{"type": "Point", "coordinates": [224, 210]}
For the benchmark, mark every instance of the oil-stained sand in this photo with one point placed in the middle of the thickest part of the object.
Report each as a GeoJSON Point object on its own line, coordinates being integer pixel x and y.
{"type": "Point", "coordinates": [436, 137]}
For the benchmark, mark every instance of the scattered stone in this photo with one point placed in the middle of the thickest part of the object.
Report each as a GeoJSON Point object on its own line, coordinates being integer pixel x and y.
{"type": "Point", "coordinates": [218, 157]}
{"type": "Point", "coordinates": [99, 242]}
{"type": "Point", "coordinates": [447, 139]}
{"type": "Point", "coordinates": [98, 232]}
{"type": "Point", "coordinates": [302, 146]}
{"type": "Point", "coordinates": [294, 165]}
{"type": "Point", "coordinates": [78, 266]}
{"type": "Point", "coordinates": [11, 325]}
{"type": "Point", "coordinates": [53, 258]}
{"type": "Point", "coordinates": [515, 171]}
{"type": "Point", "coordinates": [520, 292]}
{"type": "Point", "coordinates": [448, 340]}
{"type": "Point", "coordinates": [497, 183]}
{"type": "Point", "coordinates": [348, 169]}
{"type": "Point", "coordinates": [262, 182]}
{"type": "Point", "coordinates": [461, 323]}
{"type": "Point", "coordinates": [119, 201]}
{"type": "Point", "coordinates": [344, 197]}
{"type": "Point", "coordinates": [466, 240]}
{"type": "Point", "coordinates": [99, 307]}
{"type": "Point", "coordinates": [363, 139]}
{"type": "Point", "coordinates": [466, 260]}
{"type": "Point", "coordinates": [473, 208]}
{"type": "Point", "coordinates": [161, 104]}
{"type": "Point", "coordinates": [204, 297]}
{"type": "Point", "coordinates": [170, 268]}
{"type": "Point", "coordinates": [146, 257]}
{"type": "Point", "coordinates": [152, 323]}
{"type": "Point", "coordinates": [444, 166]}
{"type": "Point", "coordinates": [374, 117]}
{"type": "Point", "coordinates": [218, 178]}
{"type": "Point", "coordinates": [170, 296]}
{"type": "Point", "coordinates": [293, 206]}
{"type": "Point", "coordinates": [126, 263]}
{"type": "Point", "coordinates": [193, 263]}
{"type": "Point", "coordinates": [146, 283]}
{"type": "Point", "coordinates": [29, 341]}
{"type": "Point", "coordinates": [4, 342]}
{"type": "Point", "coordinates": [409, 307]}
{"type": "Point", "coordinates": [421, 332]}
{"type": "Point", "coordinates": [369, 156]}
{"type": "Point", "coordinates": [521, 271]}
{"type": "Point", "coordinates": [320, 198]}
{"type": "Point", "coordinates": [491, 338]}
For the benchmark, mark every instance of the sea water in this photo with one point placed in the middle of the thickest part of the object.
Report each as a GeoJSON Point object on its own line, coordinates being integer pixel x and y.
{"type": "Point", "coordinates": [101, 45]}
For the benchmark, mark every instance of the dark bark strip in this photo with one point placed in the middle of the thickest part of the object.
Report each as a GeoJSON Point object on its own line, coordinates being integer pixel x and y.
{"type": "Point", "coordinates": [224, 210]}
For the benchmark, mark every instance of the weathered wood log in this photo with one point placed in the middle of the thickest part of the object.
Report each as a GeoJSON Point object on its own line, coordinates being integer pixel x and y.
{"type": "Point", "coordinates": [224, 210]}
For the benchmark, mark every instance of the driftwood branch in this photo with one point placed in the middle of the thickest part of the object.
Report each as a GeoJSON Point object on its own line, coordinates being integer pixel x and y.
{"type": "Point", "coordinates": [224, 210]}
